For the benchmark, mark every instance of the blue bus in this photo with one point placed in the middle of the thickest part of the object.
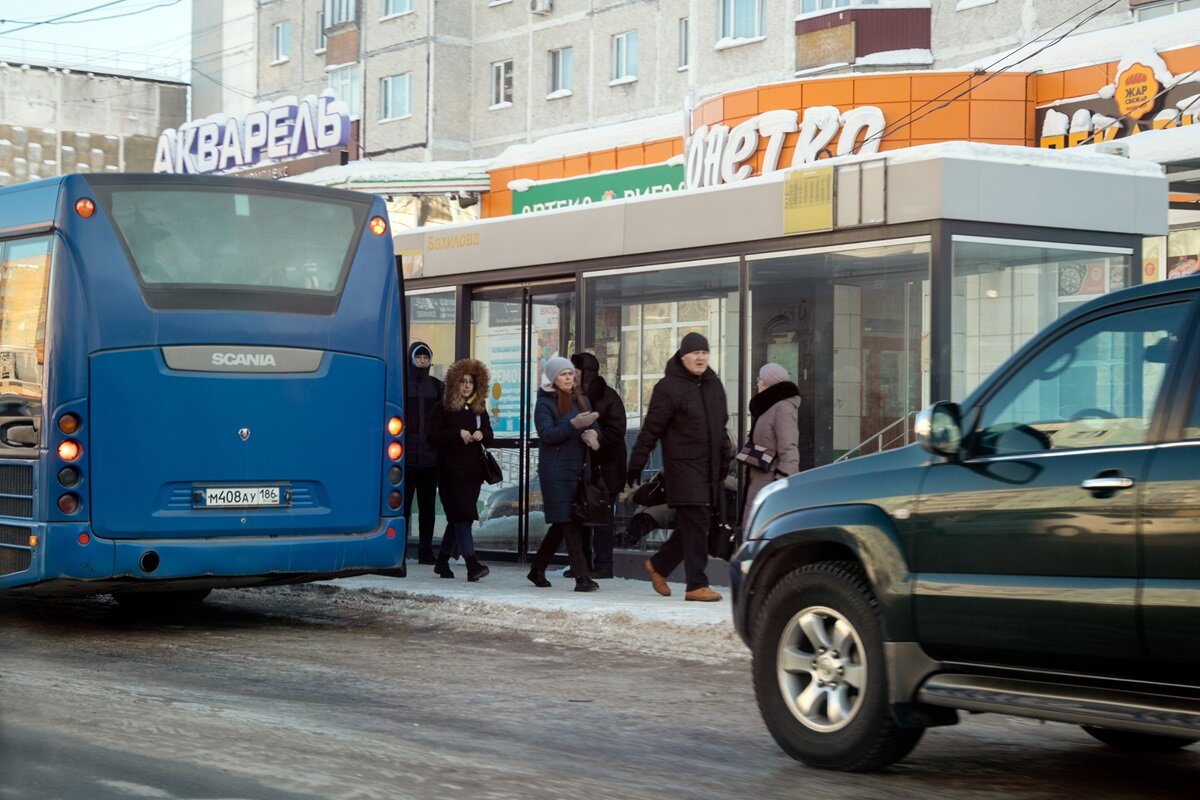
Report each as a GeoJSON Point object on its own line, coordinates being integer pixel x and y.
{"type": "Point", "coordinates": [200, 386]}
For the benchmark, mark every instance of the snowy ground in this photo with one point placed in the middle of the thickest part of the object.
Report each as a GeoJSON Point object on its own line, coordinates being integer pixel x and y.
{"type": "Point", "coordinates": [624, 615]}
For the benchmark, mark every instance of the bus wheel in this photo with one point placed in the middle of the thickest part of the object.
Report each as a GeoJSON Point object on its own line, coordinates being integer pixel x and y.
{"type": "Point", "coordinates": [144, 601]}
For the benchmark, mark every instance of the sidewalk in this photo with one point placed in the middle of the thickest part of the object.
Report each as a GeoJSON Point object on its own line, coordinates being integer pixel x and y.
{"type": "Point", "coordinates": [623, 614]}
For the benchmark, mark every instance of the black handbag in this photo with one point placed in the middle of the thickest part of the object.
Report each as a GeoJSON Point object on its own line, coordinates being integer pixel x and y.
{"type": "Point", "coordinates": [590, 504]}
{"type": "Point", "coordinates": [722, 534]}
{"type": "Point", "coordinates": [652, 493]}
{"type": "Point", "coordinates": [491, 469]}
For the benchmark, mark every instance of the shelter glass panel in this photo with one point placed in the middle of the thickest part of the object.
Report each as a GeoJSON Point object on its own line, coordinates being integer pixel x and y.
{"type": "Point", "coordinates": [1005, 291]}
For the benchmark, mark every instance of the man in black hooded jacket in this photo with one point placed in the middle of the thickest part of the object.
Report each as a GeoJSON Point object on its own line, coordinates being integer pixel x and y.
{"type": "Point", "coordinates": [422, 394]}
{"type": "Point", "coordinates": [688, 413]}
{"type": "Point", "coordinates": [609, 459]}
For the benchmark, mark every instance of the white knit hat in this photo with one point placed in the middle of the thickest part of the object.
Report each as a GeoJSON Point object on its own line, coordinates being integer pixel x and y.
{"type": "Point", "coordinates": [772, 373]}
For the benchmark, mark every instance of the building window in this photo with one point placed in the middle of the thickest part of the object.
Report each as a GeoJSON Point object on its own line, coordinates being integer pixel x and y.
{"type": "Point", "coordinates": [502, 83]}
{"type": "Point", "coordinates": [561, 70]}
{"type": "Point", "coordinates": [624, 56]}
{"type": "Point", "coordinates": [1153, 10]}
{"type": "Point", "coordinates": [684, 59]}
{"type": "Point", "coordinates": [339, 11]}
{"type": "Point", "coordinates": [395, 96]}
{"type": "Point", "coordinates": [282, 36]}
{"type": "Point", "coordinates": [811, 6]}
{"type": "Point", "coordinates": [322, 39]}
{"type": "Point", "coordinates": [346, 84]}
{"type": "Point", "coordinates": [741, 19]}
{"type": "Point", "coordinates": [392, 8]}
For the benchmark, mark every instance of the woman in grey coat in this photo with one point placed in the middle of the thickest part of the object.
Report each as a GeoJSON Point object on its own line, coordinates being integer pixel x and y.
{"type": "Point", "coordinates": [775, 425]}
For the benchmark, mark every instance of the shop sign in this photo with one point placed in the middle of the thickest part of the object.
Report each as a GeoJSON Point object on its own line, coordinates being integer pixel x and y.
{"type": "Point", "coordinates": [1136, 101]}
{"type": "Point", "coordinates": [625, 183]}
{"type": "Point", "coordinates": [717, 155]}
{"type": "Point", "coordinates": [283, 130]}
{"type": "Point", "coordinates": [1136, 90]}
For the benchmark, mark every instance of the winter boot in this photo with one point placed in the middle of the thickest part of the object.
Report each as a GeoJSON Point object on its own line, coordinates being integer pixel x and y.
{"type": "Point", "coordinates": [475, 570]}
{"type": "Point", "coordinates": [537, 576]}
{"type": "Point", "coordinates": [442, 566]}
{"type": "Point", "coordinates": [586, 585]}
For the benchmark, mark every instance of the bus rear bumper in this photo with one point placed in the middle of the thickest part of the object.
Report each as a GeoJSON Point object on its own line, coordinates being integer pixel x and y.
{"type": "Point", "coordinates": [69, 560]}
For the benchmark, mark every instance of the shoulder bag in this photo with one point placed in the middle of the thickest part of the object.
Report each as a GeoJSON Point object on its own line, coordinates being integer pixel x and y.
{"type": "Point", "coordinates": [590, 504]}
{"type": "Point", "coordinates": [491, 469]}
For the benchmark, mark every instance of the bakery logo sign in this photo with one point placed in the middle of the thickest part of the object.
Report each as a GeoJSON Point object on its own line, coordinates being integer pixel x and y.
{"type": "Point", "coordinates": [1144, 96]}
{"type": "Point", "coordinates": [718, 154]}
{"type": "Point", "coordinates": [279, 131]}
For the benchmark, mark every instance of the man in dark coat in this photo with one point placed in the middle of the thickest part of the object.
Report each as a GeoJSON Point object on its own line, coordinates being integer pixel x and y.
{"type": "Point", "coordinates": [688, 413]}
{"type": "Point", "coordinates": [610, 458]}
{"type": "Point", "coordinates": [422, 394]}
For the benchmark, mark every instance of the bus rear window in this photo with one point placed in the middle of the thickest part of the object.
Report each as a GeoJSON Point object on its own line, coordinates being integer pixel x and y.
{"type": "Point", "coordinates": [207, 239]}
{"type": "Point", "coordinates": [24, 272]}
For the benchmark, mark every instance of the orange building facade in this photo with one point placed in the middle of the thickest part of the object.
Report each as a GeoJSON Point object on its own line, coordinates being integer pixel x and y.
{"type": "Point", "coordinates": [889, 111]}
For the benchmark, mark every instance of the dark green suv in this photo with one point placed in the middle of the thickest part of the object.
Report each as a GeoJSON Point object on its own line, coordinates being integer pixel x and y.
{"type": "Point", "coordinates": [1036, 553]}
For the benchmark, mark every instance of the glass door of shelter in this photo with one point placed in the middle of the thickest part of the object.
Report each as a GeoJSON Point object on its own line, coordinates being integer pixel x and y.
{"type": "Point", "coordinates": [514, 330]}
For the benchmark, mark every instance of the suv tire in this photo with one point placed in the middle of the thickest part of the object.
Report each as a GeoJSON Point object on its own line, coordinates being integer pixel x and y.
{"type": "Point", "coordinates": [819, 672]}
{"type": "Point", "coordinates": [1134, 742]}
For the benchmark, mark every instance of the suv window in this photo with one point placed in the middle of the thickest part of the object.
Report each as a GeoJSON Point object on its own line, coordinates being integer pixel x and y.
{"type": "Point", "coordinates": [1095, 386]}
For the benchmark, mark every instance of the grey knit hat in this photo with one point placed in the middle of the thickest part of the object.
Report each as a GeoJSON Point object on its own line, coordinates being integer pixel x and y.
{"type": "Point", "coordinates": [772, 373]}
{"type": "Point", "coordinates": [555, 366]}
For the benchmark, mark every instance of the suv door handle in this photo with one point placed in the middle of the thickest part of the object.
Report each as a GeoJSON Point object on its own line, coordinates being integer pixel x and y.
{"type": "Point", "coordinates": [1106, 484]}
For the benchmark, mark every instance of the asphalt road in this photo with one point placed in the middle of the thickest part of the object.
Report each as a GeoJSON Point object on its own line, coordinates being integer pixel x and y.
{"type": "Point", "coordinates": [308, 692]}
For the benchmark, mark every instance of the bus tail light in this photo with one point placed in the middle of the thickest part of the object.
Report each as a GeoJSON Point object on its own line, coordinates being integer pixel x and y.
{"type": "Point", "coordinates": [68, 423]}
{"type": "Point", "coordinates": [394, 500]}
{"type": "Point", "coordinates": [68, 477]}
{"type": "Point", "coordinates": [395, 474]}
{"type": "Point", "coordinates": [84, 207]}
{"type": "Point", "coordinates": [68, 503]}
{"type": "Point", "coordinates": [378, 226]}
{"type": "Point", "coordinates": [395, 426]}
{"type": "Point", "coordinates": [395, 450]}
{"type": "Point", "coordinates": [83, 538]}
{"type": "Point", "coordinates": [69, 450]}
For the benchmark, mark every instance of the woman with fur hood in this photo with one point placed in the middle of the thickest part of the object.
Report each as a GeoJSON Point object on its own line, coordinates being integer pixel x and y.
{"type": "Point", "coordinates": [775, 425]}
{"type": "Point", "coordinates": [460, 430]}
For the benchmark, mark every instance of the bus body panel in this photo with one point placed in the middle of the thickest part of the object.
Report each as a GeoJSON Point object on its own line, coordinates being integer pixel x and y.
{"type": "Point", "coordinates": [158, 435]}
{"type": "Point", "coordinates": [153, 436]}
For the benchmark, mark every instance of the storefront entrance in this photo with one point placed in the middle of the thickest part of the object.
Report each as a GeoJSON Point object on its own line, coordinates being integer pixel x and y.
{"type": "Point", "coordinates": [514, 329]}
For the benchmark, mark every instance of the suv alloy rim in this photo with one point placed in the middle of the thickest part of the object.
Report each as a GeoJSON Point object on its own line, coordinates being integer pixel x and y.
{"type": "Point", "coordinates": [822, 669]}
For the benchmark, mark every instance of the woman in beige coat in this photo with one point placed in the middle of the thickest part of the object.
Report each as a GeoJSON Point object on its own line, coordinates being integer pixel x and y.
{"type": "Point", "coordinates": [775, 425]}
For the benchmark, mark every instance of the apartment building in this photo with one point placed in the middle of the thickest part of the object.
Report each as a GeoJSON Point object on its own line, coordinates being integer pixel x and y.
{"type": "Point", "coordinates": [465, 79]}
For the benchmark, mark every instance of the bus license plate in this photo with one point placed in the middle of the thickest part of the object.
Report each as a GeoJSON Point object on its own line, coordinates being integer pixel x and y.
{"type": "Point", "coordinates": [243, 496]}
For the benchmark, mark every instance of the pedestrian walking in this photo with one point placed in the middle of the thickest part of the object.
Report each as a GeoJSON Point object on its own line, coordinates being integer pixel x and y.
{"type": "Point", "coordinates": [566, 428]}
{"type": "Point", "coordinates": [688, 414]}
{"type": "Point", "coordinates": [460, 430]}
{"type": "Point", "coordinates": [423, 393]}
{"type": "Point", "coordinates": [775, 429]}
{"type": "Point", "coordinates": [610, 459]}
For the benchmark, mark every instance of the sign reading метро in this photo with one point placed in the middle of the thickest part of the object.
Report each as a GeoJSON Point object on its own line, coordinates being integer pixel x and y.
{"type": "Point", "coordinates": [285, 129]}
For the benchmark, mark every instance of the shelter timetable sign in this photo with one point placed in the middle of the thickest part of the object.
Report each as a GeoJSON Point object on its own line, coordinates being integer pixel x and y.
{"type": "Point", "coordinates": [808, 200]}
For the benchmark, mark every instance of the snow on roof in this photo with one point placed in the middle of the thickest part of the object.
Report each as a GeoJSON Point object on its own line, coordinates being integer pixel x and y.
{"type": "Point", "coordinates": [604, 137]}
{"type": "Point", "coordinates": [1084, 158]}
{"type": "Point", "coordinates": [401, 175]}
{"type": "Point", "coordinates": [1167, 146]}
{"type": "Point", "coordinates": [1107, 44]}
{"type": "Point", "coordinates": [915, 55]}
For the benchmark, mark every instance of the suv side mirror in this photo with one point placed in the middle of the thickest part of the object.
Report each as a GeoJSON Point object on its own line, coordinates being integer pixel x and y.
{"type": "Point", "coordinates": [939, 429]}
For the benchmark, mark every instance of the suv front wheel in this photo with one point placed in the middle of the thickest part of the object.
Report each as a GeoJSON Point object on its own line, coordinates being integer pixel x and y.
{"type": "Point", "coordinates": [819, 672]}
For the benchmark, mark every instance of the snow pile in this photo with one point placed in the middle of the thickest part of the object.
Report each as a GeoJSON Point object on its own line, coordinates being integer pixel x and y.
{"type": "Point", "coordinates": [623, 616]}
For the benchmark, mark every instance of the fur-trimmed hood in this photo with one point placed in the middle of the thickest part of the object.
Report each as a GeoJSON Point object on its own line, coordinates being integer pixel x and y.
{"type": "Point", "coordinates": [477, 370]}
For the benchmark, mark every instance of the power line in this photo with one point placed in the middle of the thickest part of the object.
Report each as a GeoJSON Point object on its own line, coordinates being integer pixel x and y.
{"type": "Point", "coordinates": [901, 123]}
{"type": "Point", "coordinates": [27, 26]}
